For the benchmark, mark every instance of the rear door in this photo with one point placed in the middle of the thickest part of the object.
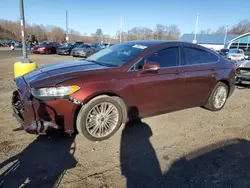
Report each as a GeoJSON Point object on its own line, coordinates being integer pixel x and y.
{"type": "Point", "coordinates": [158, 92]}
{"type": "Point", "coordinates": [200, 67]}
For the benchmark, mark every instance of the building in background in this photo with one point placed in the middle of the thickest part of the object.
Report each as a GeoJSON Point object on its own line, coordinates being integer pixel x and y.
{"type": "Point", "coordinates": [241, 42]}
{"type": "Point", "coordinates": [212, 41]}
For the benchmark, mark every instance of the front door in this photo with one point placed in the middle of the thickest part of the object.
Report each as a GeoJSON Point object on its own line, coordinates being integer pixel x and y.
{"type": "Point", "coordinates": [160, 91]}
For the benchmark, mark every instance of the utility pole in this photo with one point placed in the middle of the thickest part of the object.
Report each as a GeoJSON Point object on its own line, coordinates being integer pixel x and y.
{"type": "Point", "coordinates": [225, 38]}
{"type": "Point", "coordinates": [67, 37]}
{"type": "Point", "coordinates": [121, 30]}
{"type": "Point", "coordinates": [196, 27]}
{"type": "Point", "coordinates": [248, 41]}
{"type": "Point", "coordinates": [22, 22]}
{"type": "Point", "coordinates": [25, 65]}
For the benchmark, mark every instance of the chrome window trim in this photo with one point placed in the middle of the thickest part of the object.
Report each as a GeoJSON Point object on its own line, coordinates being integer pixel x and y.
{"type": "Point", "coordinates": [181, 65]}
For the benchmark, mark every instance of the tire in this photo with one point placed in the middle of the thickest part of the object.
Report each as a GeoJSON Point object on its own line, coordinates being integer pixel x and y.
{"type": "Point", "coordinates": [48, 51]}
{"type": "Point", "coordinates": [83, 118]}
{"type": "Point", "coordinates": [211, 100]}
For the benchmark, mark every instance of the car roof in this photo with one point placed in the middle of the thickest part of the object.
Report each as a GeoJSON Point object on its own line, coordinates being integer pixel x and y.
{"type": "Point", "coordinates": [150, 42]}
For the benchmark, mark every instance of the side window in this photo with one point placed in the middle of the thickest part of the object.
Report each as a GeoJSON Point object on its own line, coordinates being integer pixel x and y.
{"type": "Point", "coordinates": [55, 44]}
{"type": "Point", "coordinates": [139, 65]}
{"type": "Point", "coordinates": [198, 56]}
{"type": "Point", "coordinates": [168, 57]}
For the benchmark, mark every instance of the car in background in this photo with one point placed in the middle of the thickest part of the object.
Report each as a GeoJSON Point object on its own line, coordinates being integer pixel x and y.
{"type": "Point", "coordinates": [85, 50]}
{"type": "Point", "coordinates": [45, 48]}
{"type": "Point", "coordinates": [243, 72]}
{"type": "Point", "coordinates": [123, 82]}
{"type": "Point", "coordinates": [106, 44]}
{"type": "Point", "coordinates": [65, 49]}
{"type": "Point", "coordinates": [223, 52]}
{"type": "Point", "coordinates": [235, 54]}
{"type": "Point", "coordinates": [78, 43]}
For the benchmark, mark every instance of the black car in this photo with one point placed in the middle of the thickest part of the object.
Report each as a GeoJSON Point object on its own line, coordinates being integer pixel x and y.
{"type": "Point", "coordinates": [66, 49]}
{"type": "Point", "coordinates": [223, 52]}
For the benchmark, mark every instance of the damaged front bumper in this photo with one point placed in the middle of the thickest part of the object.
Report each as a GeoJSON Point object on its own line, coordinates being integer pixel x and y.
{"type": "Point", "coordinates": [40, 117]}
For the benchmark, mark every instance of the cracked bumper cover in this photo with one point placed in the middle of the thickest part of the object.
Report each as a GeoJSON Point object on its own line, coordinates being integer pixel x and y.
{"type": "Point", "coordinates": [39, 117]}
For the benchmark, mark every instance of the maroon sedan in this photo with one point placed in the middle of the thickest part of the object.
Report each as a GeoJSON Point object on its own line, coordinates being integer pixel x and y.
{"type": "Point", "coordinates": [46, 48]}
{"type": "Point", "coordinates": [120, 83]}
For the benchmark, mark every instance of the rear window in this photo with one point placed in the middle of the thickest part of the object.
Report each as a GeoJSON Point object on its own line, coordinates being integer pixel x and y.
{"type": "Point", "coordinates": [199, 56]}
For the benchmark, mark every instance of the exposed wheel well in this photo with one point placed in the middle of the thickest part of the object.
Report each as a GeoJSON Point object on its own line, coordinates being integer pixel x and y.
{"type": "Point", "coordinates": [101, 94]}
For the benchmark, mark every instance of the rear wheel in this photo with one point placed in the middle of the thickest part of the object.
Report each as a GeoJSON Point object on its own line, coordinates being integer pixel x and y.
{"type": "Point", "coordinates": [218, 97]}
{"type": "Point", "coordinates": [100, 118]}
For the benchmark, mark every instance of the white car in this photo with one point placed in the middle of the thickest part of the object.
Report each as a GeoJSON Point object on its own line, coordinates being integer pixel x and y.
{"type": "Point", "coordinates": [236, 55]}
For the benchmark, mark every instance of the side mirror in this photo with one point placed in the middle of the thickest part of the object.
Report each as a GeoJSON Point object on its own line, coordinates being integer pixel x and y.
{"type": "Point", "coordinates": [151, 67]}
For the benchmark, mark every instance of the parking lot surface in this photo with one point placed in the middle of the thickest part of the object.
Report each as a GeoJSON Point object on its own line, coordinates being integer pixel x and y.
{"type": "Point", "coordinates": [188, 148]}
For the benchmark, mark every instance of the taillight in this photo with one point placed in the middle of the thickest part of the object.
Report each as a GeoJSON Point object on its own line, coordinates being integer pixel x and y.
{"type": "Point", "coordinates": [234, 68]}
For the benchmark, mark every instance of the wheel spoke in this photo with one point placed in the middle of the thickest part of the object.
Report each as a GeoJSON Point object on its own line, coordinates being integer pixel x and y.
{"type": "Point", "coordinates": [112, 115]}
{"type": "Point", "coordinates": [94, 130]}
{"type": "Point", "coordinates": [109, 110]}
{"type": "Point", "coordinates": [103, 107]}
{"type": "Point", "coordinates": [111, 121]}
{"type": "Point", "coordinates": [97, 109]}
{"type": "Point", "coordinates": [106, 126]}
{"type": "Point", "coordinates": [91, 124]}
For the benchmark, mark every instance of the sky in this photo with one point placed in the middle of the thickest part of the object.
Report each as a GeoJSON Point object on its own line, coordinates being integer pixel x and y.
{"type": "Point", "coordinates": [86, 16]}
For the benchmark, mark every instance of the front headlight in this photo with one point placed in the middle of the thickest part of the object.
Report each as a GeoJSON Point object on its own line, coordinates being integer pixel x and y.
{"type": "Point", "coordinates": [55, 91]}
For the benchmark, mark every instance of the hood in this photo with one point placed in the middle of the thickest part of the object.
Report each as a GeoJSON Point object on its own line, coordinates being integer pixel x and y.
{"type": "Point", "coordinates": [235, 54]}
{"type": "Point", "coordinates": [244, 64]}
{"type": "Point", "coordinates": [82, 49]}
{"type": "Point", "coordinates": [52, 74]}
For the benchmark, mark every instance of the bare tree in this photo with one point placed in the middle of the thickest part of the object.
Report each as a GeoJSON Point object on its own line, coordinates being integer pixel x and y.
{"type": "Point", "coordinates": [207, 31]}
{"type": "Point", "coordinates": [172, 32]}
{"type": "Point", "coordinates": [160, 31]}
{"type": "Point", "coordinates": [221, 30]}
{"type": "Point", "coordinates": [241, 28]}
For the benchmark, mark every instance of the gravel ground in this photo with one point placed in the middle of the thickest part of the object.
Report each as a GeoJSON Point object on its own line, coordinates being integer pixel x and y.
{"type": "Point", "coordinates": [189, 148]}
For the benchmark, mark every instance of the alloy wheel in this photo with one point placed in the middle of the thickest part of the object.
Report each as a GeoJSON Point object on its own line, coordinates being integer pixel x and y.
{"type": "Point", "coordinates": [220, 97]}
{"type": "Point", "coordinates": [102, 119]}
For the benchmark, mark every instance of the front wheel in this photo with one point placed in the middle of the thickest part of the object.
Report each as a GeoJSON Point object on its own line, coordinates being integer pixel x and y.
{"type": "Point", "coordinates": [100, 118]}
{"type": "Point", "coordinates": [218, 97]}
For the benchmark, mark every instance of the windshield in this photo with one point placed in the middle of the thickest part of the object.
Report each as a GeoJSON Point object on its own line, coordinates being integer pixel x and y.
{"type": "Point", "coordinates": [83, 46]}
{"type": "Point", "coordinates": [66, 45]}
{"type": "Point", "coordinates": [234, 51]}
{"type": "Point", "coordinates": [43, 43]}
{"type": "Point", "coordinates": [117, 55]}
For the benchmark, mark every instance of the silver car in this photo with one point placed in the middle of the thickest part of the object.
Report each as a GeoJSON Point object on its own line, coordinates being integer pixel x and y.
{"type": "Point", "coordinates": [243, 72]}
{"type": "Point", "coordinates": [236, 55]}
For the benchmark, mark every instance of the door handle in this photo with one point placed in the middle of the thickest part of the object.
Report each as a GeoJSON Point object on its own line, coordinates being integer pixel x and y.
{"type": "Point", "coordinates": [177, 72]}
